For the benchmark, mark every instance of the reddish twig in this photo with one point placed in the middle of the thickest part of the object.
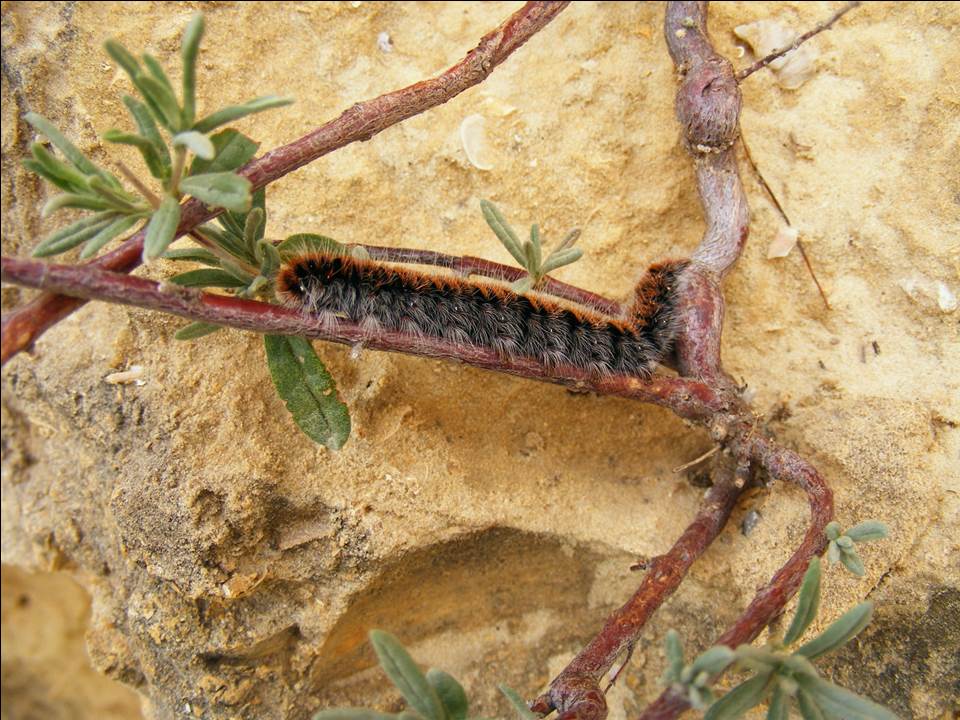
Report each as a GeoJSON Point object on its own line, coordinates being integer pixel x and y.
{"type": "Point", "coordinates": [690, 399]}
{"type": "Point", "coordinates": [776, 54]}
{"type": "Point", "coordinates": [22, 327]}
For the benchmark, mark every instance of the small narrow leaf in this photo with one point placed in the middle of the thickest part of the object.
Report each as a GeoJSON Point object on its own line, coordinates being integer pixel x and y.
{"type": "Point", "coordinates": [270, 259]}
{"type": "Point", "coordinates": [501, 228]}
{"type": "Point", "coordinates": [146, 148]}
{"type": "Point", "coordinates": [72, 235]}
{"type": "Point", "coordinates": [833, 552]}
{"type": "Point", "coordinates": [208, 277]}
{"type": "Point", "coordinates": [674, 651]}
{"type": "Point", "coordinates": [868, 530]}
{"type": "Point", "coordinates": [162, 99]}
{"type": "Point", "coordinates": [123, 58]}
{"type": "Point", "coordinates": [73, 200]}
{"type": "Point", "coordinates": [195, 330]}
{"type": "Point", "coordinates": [760, 660]}
{"type": "Point", "coordinates": [188, 51]}
{"type": "Point", "coordinates": [148, 129]}
{"type": "Point", "coordinates": [303, 243]}
{"type": "Point", "coordinates": [840, 632]}
{"type": "Point", "coordinates": [74, 180]}
{"type": "Point", "coordinates": [198, 143]}
{"type": "Point", "coordinates": [162, 228]}
{"type": "Point", "coordinates": [560, 258]}
{"type": "Point", "coordinates": [70, 151]}
{"type": "Point", "coordinates": [523, 285]}
{"type": "Point", "coordinates": [779, 707]}
{"type": "Point", "coordinates": [809, 710]}
{"type": "Point", "coordinates": [807, 605]}
{"type": "Point", "coordinates": [712, 661]}
{"type": "Point", "coordinates": [403, 671]}
{"type": "Point", "coordinates": [740, 699]}
{"type": "Point", "coordinates": [450, 692]}
{"type": "Point", "coordinates": [117, 227]}
{"type": "Point", "coordinates": [517, 703]}
{"type": "Point", "coordinates": [193, 254]}
{"type": "Point", "coordinates": [308, 390]}
{"type": "Point", "coordinates": [253, 231]}
{"type": "Point", "coordinates": [852, 562]}
{"type": "Point", "coordinates": [232, 149]}
{"type": "Point", "coordinates": [235, 112]}
{"type": "Point", "coordinates": [223, 189]}
{"type": "Point", "coordinates": [840, 702]}
{"type": "Point", "coordinates": [832, 530]}
{"type": "Point", "coordinates": [159, 74]}
{"type": "Point", "coordinates": [537, 249]}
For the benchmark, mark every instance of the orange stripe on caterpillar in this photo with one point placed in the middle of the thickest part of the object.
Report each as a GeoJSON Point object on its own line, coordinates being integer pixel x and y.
{"type": "Point", "coordinates": [488, 314]}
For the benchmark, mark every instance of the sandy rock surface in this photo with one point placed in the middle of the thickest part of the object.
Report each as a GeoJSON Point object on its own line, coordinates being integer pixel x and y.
{"type": "Point", "coordinates": [234, 567]}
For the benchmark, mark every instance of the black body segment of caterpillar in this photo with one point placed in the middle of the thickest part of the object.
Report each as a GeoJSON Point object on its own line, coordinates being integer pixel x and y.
{"type": "Point", "coordinates": [488, 314]}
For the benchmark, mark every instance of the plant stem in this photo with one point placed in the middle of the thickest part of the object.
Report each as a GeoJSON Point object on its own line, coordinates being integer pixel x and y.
{"type": "Point", "coordinates": [362, 121]}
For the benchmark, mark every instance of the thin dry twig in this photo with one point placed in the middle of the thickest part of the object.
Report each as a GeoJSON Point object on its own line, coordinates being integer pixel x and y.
{"type": "Point", "coordinates": [783, 214]}
{"type": "Point", "coordinates": [826, 25]}
{"type": "Point", "coordinates": [21, 328]}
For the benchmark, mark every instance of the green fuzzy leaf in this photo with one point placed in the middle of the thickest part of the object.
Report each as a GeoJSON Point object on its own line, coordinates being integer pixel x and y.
{"type": "Point", "coordinates": [779, 707]}
{"type": "Point", "coordinates": [559, 258]}
{"type": "Point", "coordinates": [269, 259]}
{"type": "Point", "coordinates": [195, 330]}
{"type": "Point", "coordinates": [74, 234]}
{"type": "Point", "coordinates": [867, 531]}
{"type": "Point", "coordinates": [353, 714]}
{"type": "Point", "coordinates": [198, 143]}
{"type": "Point", "coordinates": [227, 240]}
{"type": "Point", "coordinates": [123, 58]}
{"type": "Point", "coordinates": [162, 228]}
{"type": "Point", "coordinates": [450, 692]}
{"type": "Point", "coordinates": [403, 671]}
{"type": "Point", "coordinates": [118, 197]}
{"type": "Point", "coordinates": [161, 99]}
{"type": "Point", "coordinates": [208, 277]}
{"type": "Point", "coordinates": [188, 51]}
{"type": "Point", "coordinates": [158, 73]}
{"type": "Point", "coordinates": [148, 129]}
{"type": "Point", "coordinates": [740, 699]}
{"type": "Point", "coordinates": [537, 249]}
{"type": "Point", "coordinates": [799, 665]}
{"type": "Point", "coordinates": [674, 652]}
{"type": "Point", "coordinates": [501, 228]}
{"type": "Point", "coordinates": [809, 710]}
{"type": "Point", "coordinates": [259, 200]}
{"type": "Point", "coordinates": [232, 150]}
{"type": "Point", "coordinates": [73, 200]}
{"type": "Point", "coordinates": [833, 552]}
{"type": "Point", "coordinates": [712, 661]}
{"type": "Point", "coordinates": [253, 230]}
{"type": "Point", "coordinates": [303, 243]}
{"type": "Point", "coordinates": [193, 254]}
{"type": "Point", "coordinates": [852, 562]}
{"type": "Point", "coordinates": [840, 702]}
{"type": "Point", "coordinates": [840, 632]}
{"type": "Point", "coordinates": [517, 702]}
{"type": "Point", "coordinates": [758, 659]}
{"type": "Point", "coordinates": [832, 530]}
{"type": "Point", "coordinates": [807, 605]}
{"type": "Point", "coordinates": [117, 227]}
{"type": "Point", "coordinates": [235, 112]}
{"type": "Point", "coordinates": [522, 286]}
{"type": "Point", "coordinates": [70, 179]}
{"type": "Point", "coordinates": [308, 390]}
{"type": "Point", "coordinates": [70, 151]}
{"type": "Point", "coordinates": [222, 189]}
{"type": "Point", "coordinates": [147, 150]}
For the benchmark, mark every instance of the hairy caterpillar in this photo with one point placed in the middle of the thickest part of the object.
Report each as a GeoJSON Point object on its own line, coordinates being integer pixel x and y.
{"type": "Point", "coordinates": [487, 314]}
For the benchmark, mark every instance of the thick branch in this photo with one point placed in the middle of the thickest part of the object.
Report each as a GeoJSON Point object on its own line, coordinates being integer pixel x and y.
{"type": "Point", "coordinates": [689, 399]}
{"type": "Point", "coordinates": [22, 327]}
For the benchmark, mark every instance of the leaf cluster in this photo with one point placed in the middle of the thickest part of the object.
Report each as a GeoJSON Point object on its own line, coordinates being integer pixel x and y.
{"type": "Point", "coordinates": [435, 695]}
{"type": "Point", "coordinates": [841, 547]}
{"type": "Point", "coordinates": [530, 253]}
{"type": "Point", "coordinates": [168, 135]}
{"type": "Point", "coordinates": [780, 676]}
